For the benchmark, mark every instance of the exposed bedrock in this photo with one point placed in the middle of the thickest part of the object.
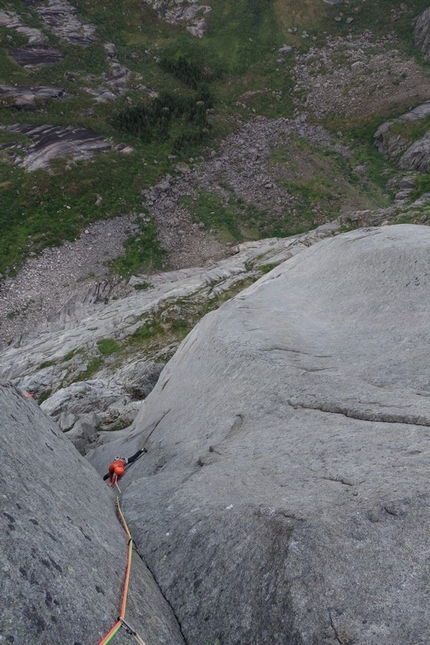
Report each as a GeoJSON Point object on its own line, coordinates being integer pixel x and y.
{"type": "Point", "coordinates": [27, 97]}
{"type": "Point", "coordinates": [284, 497]}
{"type": "Point", "coordinates": [37, 56]}
{"type": "Point", "coordinates": [64, 20]}
{"type": "Point", "coordinates": [62, 548]}
{"type": "Point", "coordinates": [395, 140]}
{"type": "Point", "coordinates": [50, 141]}
{"type": "Point", "coordinates": [422, 32]}
{"type": "Point", "coordinates": [11, 20]}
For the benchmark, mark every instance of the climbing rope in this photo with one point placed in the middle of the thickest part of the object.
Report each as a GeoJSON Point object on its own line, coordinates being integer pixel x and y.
{"type": "Point", "coordinates": [121, 622]}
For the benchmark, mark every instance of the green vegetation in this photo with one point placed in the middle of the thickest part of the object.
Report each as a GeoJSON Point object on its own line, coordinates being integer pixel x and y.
{"type": "Point", "coordinates": [411, 130]}
{"type": "Point", "coordinates": [381, 18]}
{"type": "Point", "coordinates": [44, 396]}
{"type": "Point", "coordinates": [141, 286]}
{"type": "Point", "coordinates": [180, 119]}
{"type": "Point", "coordinates": [92, 368]}
{"type": "Point", "coordinates": [358, 135]}
{"type": "Point", "coordinates": [236, 221]}
{"type": "Point", "coordinates": [422, 183]}
{"type": "Point", "coordinates": [225, 217]}
{"type": "Point", "coordinates": [204, 87]}
{"type": "Point", "coordinates": [69, 355]}
{"type": "Point", "coordinates": [164, 328]}
{"type": "Point", "coordinates": [46, 364]}
{"type": "Point", "coordinates": [108, 346]}
{"type": "Point", "coordinates": [266, 268]}
{"type": "Point", "coordinates": [142, 252]}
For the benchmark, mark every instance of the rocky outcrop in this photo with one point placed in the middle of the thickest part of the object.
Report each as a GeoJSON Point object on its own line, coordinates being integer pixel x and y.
{"type": "Point", "coordinates": [36, 57]}
{"type": "Point", "coordinates": [11, 20]}
{"type": "Point", "coordinates": [62, 548]}
{"type": "Point", "coordinates": [189, 13]}
{"type": "Point", "coordinates": [417, 156]}
{"type": "Point", "coordinates": [393, 140]}
{"type": "Point", "coordinates": [422, 32]}
{"type": "Point", "coordinates": [284, 495]}
{"type": "Point", "coordinates": [27, 97]}
{"type": "Point", "coordinates": [256, 167]}
{"type": "Point", "coordinates": [357, 75]}
{"type": "Point", "coordinates": [50, 142]}
{"type": "Point", "coordinates": [52, 361]}
{"type": "Point", "coordinates": [64, 20]}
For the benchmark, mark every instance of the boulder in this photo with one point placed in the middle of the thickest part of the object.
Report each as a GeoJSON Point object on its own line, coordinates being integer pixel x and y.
{"type": "Point", "coordinates": [417, 156]}
{"type": "Point", "coordinates": [284, 497]}
{"type": "Point", "coordinates": [113, 406]}
{"type": "Point", "coordinates": [62, 548]}
{"type": "Point", "coordinates": [66, 421]}
{"type": "Point", "coordinates": [285, 49]}
{"type": "Point", "coordinates": [84, 432]}
{"type": "Point", "coordinates": [393, 140]}
{"type": "Point", "coordinates": [140, 377]}
{"type": "Point", "coordinates": [422, 32]}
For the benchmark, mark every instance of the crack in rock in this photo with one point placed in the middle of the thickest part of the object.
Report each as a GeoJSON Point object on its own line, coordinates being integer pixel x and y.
{"type": "Point", "coordinates": [365, 415]}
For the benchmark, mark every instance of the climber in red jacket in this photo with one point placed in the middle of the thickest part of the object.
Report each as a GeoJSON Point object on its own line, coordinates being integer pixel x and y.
{"type": "Point", "coordinates": [117, 467]}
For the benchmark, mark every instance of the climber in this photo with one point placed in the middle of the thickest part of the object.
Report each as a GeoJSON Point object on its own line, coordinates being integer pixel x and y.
{"type": "Point", "coordinates": [117, 467]}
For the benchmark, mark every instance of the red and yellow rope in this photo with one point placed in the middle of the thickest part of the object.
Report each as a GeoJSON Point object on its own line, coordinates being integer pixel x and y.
{"type": "Point", "coordinates": [119, 622]}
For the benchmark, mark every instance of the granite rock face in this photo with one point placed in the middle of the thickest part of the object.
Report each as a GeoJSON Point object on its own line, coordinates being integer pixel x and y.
{"type": "Point", "coordinates": [27, 97]}
{"type": "Point", "coordinates": [422, 32]}
{"type": "Point", "coordinates": [392, 139]}
{"type": "Point", "coordinates": [284, 497]}
{"type": "Point", "coordinates": [49, 142]}
{"type": "Point", "coordinates": [417, 156]}
{"type": "Point", "coordinates": [62, 549]}
{"type": "Point", "coordinates": [50, 362]}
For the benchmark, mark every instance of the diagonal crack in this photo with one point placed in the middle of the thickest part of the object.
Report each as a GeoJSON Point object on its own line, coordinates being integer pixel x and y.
{"type": "Point", "coordinates": [336, 633]}
{"type": "Point", "coordinates": [364, 415]}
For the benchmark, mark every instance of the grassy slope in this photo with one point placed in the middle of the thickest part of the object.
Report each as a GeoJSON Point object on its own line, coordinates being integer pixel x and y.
{"type": "Point", "coordinates": [240, 50]}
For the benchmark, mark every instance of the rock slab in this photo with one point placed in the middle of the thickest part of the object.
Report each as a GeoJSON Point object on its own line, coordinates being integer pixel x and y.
{"type": "Point", "coordinates": [62, 549]}
{"type": "Point", "coordinates": [284, 497]}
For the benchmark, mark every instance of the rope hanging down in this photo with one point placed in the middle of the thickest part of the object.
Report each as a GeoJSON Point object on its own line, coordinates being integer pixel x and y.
{"type": "Point", "coordinates": [121, 620]}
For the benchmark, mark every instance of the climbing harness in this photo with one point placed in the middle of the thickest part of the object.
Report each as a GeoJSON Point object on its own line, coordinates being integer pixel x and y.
{"type": "Point", "coordinates": [121, 622]}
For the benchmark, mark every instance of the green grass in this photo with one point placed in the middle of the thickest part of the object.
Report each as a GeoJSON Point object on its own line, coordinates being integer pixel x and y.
{"type": "Point", "coordinates": [234, 219]}
{"type": "Point", "coordinates": [42, 209]}
{"type": "Point", "coordinates": [266, 268]}
{"type": "Point", "coordinates": [92, 368]}
{"type": "Point", "coordinates": [422, 183]}
{"type": "Point", "coordinates": [46, 364]}
{"type": "Point", "coordinates": [210, 209]}
{"type": "Point", "coordinates": [108, 346]}
{"type": "Point", "coordinates": [236, 61]}
{"type": "Point", "coordinates": [149, 331]}
{"type": "Point", "coordinates": [411, 130]}
{"type": "Point", "coordinates": [381, 18]}
{"type": "Point", "coordinates": [358, 134]}
{"type": "Point", "coordinates": [68, 357]}
{"type": "Point", "coordinates": [142, 253]}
